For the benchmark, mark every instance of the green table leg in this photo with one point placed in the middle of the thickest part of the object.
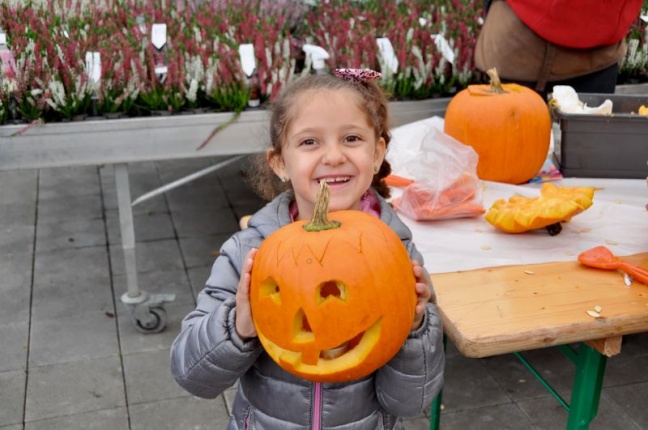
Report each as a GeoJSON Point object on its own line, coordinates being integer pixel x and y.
{"type": "Point", "coordinates": [586, 391]}
{"type": "Point", "coordinates": [435, 413]}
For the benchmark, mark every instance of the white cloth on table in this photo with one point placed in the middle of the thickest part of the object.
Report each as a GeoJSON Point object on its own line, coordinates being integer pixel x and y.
{"type": "Point", "coordinates": [618, 219]}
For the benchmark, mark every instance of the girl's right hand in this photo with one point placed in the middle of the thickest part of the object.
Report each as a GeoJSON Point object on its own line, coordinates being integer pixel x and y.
{"type": "Point", "coordinates": [244, 323]}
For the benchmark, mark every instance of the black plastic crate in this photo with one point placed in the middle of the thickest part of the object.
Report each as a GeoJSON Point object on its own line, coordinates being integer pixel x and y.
{"type": "Point", "coordinates": [604, 146]}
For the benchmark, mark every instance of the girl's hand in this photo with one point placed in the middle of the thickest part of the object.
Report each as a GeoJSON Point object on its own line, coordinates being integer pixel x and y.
{"type": "Point", "coordinates": [244, 323]}
{"type": "Point", "coordinates": [423, 293]}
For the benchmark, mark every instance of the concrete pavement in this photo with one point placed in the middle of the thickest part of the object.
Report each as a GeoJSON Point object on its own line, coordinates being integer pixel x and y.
{"type": "Point", "coordinates": [71, 359]}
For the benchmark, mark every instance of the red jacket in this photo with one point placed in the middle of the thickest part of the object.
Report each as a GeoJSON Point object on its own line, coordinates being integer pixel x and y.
{"type": "Point", "coordinates": [578, 23]}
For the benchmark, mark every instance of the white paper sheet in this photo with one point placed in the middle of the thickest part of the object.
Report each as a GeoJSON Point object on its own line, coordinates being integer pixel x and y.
{"type": "Point", "coordinates": [618, 219]}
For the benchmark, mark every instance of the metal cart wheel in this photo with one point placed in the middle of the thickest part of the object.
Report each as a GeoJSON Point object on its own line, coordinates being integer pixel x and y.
{"type": "Point", "coordinates": [150, 322]}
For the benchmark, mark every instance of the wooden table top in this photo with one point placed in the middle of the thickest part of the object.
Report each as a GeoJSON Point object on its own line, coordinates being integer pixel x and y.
{"type": "Point", "coordinates": [507, 309]}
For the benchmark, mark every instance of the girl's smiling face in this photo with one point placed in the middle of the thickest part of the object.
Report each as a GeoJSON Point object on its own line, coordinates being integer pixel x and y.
{"type": "Point", "coordinates": [329, 138]}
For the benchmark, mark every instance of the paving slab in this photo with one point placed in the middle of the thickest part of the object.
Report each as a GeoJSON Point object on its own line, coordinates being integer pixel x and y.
{"type": "Point", "coordinates": [71, 265]}
{"type": "Point", "coordinates": [547, 414]}
{"type": "Point", "coordinates": [198, 276]}
{"type": "Point", "coordinates": [498, 416]}
{"type": "Point", "coordinates": [16, 238]}
{"type": "Point", "coordinates": [202, 251]}
{"type": "Point", "coordinates": [74, 387]}
{"type": "Point", "coordinates": [469, 386]}
{"type": "Point", "coordinates": [149, 256]}
{"type": "Point", "coordinates": [12, 397]}
{"type": "Point", "coordinates": [64, 234]}
{"type": "Point", "coordinates": [15, 288]}
{"type": "Point", "coordinates": [181, 413]}
{"type": "Point", "coordinates": [132, 341]}
{"type": "Point", "coordinates": [15, 346]}
{"type": "Point", "coordinates": [171, 281]}
{"type": "Point", "coordinates": [148, 377]}
{"type": "Point", "coordinates": [82, 335]}
{"type": "Point", "coordinates": [209, 221]}
{"type": "Point", "coordinates": [70, 208]}
{"type": "Point", "coordinates": [107, 419]}
{"type": "Point", "coordinates": [149, 227]}
{"type": "Point", "coordinates": [519, 383]}
{"type": "Point", "coordinates": [64, 299]}
{"type": "Point", "coordinates": [67, 182]}
{"type": "Point", "coordinates": [631, 400]}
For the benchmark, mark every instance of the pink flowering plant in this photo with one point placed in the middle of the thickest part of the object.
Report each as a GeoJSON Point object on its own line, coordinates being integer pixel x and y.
{"type": "Point", "coordinates": [198, 69]}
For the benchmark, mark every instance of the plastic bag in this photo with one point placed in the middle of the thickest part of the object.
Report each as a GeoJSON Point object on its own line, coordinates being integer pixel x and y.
{"type": "Point", "coordinates": [443, 169]}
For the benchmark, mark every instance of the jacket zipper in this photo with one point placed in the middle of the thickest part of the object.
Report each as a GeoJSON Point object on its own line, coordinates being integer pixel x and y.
{"type": "Point", "coordinates": [317, 406]}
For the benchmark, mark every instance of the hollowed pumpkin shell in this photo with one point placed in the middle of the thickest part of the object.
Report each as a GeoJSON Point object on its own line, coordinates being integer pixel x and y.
{"type": "Point", "coordinates": [333, 305]}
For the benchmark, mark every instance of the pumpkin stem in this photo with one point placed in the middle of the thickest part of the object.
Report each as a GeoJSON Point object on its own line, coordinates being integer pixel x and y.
{"type": "Point", "coordinates": [320, 220]}
{"type": "Point", "coordinates": [495, 83]}
{"type": "Point", "coordinates": [554, 228]}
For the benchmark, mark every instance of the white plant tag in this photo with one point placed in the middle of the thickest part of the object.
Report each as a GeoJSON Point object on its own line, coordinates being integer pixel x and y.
{"type": "Point", "coordinates": [141, 24]}
{"type": "Point", "coordinates": [93, 66]}
{"type": "Point", "coordinates": [159, 35]}
{"type": "Point", "coordinates": [387, 52]}
{"type": "Point", "coordinates": [6, 57]}
{"type": "Point", "coordinates": [246, 55]}
{"type": "Point", "coordinates": [444, 48]}
{"type": "Point", "coordinates": [644, 18]}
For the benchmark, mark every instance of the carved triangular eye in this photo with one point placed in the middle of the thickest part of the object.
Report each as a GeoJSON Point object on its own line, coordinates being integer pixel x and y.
{"type": "Point", "coordinates": [270, 288]}
{"type": "Point", "coordinates": [330, 290]}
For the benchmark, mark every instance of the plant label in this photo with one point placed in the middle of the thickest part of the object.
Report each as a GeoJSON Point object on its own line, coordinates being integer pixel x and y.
{"type": "Point", "coordinates": [93, 66]}
{"type": "Point", "coordinates": [246, 55]}
{"type": "Point", "coordinates": [159, 35]}
{"type": "Point", "coordinates": [443, 46]}
{"type": "Point", "coordinates": [387, 53]}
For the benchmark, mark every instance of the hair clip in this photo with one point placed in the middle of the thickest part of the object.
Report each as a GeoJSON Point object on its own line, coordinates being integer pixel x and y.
{"type": "Point", "coordinates": [357, 75]}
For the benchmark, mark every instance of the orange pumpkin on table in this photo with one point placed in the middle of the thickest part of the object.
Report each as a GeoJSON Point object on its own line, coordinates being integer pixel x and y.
{"type": "Point", "coordinates": [508, 125]}
{"type": "Point", "coordinates": [333, 300]}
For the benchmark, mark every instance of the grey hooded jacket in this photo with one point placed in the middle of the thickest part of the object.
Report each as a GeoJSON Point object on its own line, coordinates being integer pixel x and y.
{"type": "Point", "coordinates": [208, 356]}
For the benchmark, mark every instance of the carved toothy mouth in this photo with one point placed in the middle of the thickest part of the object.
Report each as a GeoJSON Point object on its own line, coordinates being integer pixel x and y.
{"type": "Point", "coordinates": [354, 350]}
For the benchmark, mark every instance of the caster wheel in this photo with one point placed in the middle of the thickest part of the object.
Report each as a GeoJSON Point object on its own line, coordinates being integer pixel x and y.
{"type": "Point", "coordinates": [155, 322]}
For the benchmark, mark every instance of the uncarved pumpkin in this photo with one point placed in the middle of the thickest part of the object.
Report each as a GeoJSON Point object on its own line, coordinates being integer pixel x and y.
{"type": "Point", "coordinates": [333, 304]}
{"type": "Point", "coordinates": [508, 125]}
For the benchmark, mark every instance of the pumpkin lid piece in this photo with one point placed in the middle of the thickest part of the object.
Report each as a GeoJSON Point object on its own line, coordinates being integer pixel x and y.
{"type": "Point", "coordinates": [553, 206]}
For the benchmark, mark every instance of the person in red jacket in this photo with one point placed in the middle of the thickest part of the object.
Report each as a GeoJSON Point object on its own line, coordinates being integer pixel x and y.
{"type": "Point", "coordinates": [540, 44]}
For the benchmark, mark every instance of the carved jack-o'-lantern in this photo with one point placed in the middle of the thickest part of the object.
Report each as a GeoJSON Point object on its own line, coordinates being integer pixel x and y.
{"type": "Point", "coordinates": [333, 304]}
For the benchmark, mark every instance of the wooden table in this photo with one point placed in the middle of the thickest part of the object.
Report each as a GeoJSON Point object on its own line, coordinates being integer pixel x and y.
{"type": "Point", "coordinates": [512, 309]}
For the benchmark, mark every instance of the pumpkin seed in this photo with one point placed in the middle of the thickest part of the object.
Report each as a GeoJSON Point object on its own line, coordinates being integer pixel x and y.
{"type": "Point", "coordinates": [597, 308]}
{"type": "Point", "coordinates": [593, 314]}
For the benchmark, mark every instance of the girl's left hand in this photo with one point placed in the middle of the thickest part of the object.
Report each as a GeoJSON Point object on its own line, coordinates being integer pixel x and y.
{"type": "Point", "coordinates": [423, 293]}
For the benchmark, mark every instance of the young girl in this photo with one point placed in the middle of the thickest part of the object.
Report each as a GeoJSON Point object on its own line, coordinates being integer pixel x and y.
{"type": "Point", "coordinates": [323, 128]}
